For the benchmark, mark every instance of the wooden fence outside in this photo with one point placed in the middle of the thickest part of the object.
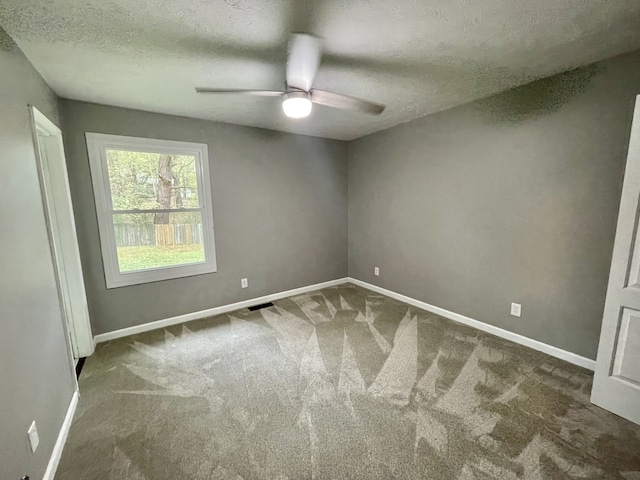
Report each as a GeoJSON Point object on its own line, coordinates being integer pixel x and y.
{"type": "Point", "coordinates": [132, 235]}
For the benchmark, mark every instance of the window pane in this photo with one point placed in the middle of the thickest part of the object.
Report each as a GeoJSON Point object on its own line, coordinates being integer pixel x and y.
{"type": "Point", "coordinates": [146, 180]}
{"type": "Point", "coordinates": [153, 240]}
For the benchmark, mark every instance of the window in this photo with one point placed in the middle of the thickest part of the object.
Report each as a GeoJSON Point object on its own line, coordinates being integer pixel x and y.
{"type": "Point", "coordinates": [153, 202]}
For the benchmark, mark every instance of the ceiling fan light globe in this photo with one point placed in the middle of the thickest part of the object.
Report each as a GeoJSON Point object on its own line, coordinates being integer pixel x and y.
{"type": "Point", "coordinates": [297, 105]}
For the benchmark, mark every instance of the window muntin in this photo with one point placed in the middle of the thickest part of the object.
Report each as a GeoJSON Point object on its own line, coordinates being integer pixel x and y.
{"type": "Point", "coordinates": [154, 208]}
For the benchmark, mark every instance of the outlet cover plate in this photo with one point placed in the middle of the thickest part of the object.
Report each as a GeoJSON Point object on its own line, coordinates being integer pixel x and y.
{"type": "Point", "coordinates": [376, 271]}
{"type": "Point", "coordinates": [244, 283]}
{"type": "Point", "coordinates": [516, 309]}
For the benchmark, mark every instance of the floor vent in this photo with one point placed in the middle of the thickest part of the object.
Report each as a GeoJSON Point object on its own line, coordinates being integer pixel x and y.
{"type": "Point", "coordinates": [262, 305]}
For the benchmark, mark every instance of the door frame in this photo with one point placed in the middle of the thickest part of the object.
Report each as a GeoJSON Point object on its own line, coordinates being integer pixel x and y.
{"type": "Point", "coordinates": [73, 305]}
{"type": "Point", "coordinates": [612, 389]}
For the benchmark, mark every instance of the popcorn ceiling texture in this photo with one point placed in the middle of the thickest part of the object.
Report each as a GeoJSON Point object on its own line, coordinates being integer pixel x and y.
{"type": "Point", "coordinates": [417, 57]}
{"type": "Point", "coordinates": [6, 42]}
{"type": "Point", "coordinates": [538, 98]}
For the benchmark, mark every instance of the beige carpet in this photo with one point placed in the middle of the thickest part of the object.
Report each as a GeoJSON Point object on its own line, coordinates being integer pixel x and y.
{"type": "Point", "coordinates": [335, 384]}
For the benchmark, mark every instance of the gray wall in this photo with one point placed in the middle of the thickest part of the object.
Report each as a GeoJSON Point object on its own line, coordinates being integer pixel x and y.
{"type": "Point", "coordinates": [279, 207]}
{"type": "Point", "coordinates": [509, 199]}
{"type": "Point", "coordinates": [36, 382]}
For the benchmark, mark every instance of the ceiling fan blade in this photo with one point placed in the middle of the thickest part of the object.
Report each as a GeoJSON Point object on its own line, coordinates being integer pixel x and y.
{"type": "Point", "coordinates": [256, 93]}
{"type": "Point", "coordinates": [303, 60]}
{"type": "Point", "coordinates": [345, 102]}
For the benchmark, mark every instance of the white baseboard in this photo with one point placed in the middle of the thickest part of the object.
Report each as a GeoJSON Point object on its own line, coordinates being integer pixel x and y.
{"type": "Point", "coordinates": [485, 327]}
{"type": "Point", "coordinates": [62, 439]}
{"type": "Point", "coordinates": [210, 312]}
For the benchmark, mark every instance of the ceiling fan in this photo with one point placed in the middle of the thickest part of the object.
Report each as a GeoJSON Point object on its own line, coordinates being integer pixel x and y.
{"type": "Point", "coordinates": [303, 59]}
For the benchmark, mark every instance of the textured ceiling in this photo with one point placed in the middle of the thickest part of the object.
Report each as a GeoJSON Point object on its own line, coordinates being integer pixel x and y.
{"type": "Point", "coordinates": [416, 56]}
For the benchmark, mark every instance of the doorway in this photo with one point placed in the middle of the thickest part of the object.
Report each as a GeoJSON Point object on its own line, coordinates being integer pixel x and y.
{"type": "Point", "coordinates": [56, 197]}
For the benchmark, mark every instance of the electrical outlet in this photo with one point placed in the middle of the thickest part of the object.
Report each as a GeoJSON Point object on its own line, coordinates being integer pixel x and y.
{"type": "Point", "coordinates": [244, 283]}
{"type": "Point", "coordinates": [516, 309]}
{"type": "Point", "coordinates": [376, 271]}
{"type": "Point", "coordinates": [34, 440]}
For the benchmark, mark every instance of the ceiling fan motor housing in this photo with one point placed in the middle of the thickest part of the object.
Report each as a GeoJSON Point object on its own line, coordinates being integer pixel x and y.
{"type": "Point", "coordinates": [303, 60]}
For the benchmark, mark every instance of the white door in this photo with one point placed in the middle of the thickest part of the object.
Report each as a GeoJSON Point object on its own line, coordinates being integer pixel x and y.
{"type": "Point", "coordinates": [62, 233]}
{"type": "Point", "coordinates": [616, 384]}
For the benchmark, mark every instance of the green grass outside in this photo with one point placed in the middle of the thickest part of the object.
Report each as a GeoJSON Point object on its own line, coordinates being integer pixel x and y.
{"type": "Point", "coordinates": [140, 258]}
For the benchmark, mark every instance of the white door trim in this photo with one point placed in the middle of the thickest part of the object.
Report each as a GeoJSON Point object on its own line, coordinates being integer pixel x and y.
{"type": "Point", "coordinates": [52, 170]}
{"type": "Point", "coordinates": [616, 383]}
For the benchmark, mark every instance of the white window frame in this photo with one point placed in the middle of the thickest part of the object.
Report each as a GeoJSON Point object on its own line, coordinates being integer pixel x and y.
{"type": "Point", "coordinates": [97, 144]}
